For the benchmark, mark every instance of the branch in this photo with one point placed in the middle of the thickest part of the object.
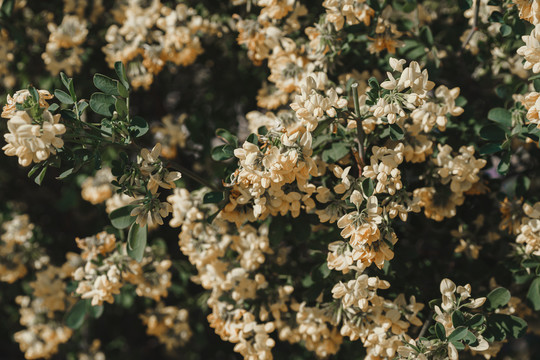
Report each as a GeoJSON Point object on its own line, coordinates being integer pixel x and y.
{"type": "Point", "coordinates": [193, 175]}
{"type": "Point", "coordinates": [474, 27]}
{"type": "Point", "coordinates": [426, 325]}
{"type": "Point", "coordinates": [359, 129]}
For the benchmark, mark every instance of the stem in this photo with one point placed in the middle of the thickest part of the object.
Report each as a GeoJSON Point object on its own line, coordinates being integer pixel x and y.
{"type": "Point", "coordinates": [193, 176]}
{"type": "Point", "coordinates": [359, 129]}
{"type": "Point", "coordinates": [127, 106]}
{"type": "Point", "coordinates": [426, 325]}
{"type": "Point", "coordinates": [94, 127]}
{"type": "Point", "coordinates": [474, 27]}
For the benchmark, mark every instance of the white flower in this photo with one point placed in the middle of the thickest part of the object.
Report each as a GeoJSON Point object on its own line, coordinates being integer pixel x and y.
{"type": "Point", "coordinates": [30, 141]}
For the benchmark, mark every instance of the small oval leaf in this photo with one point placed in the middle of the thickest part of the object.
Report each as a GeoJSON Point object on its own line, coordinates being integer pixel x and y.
{"type": "Point", "coordinates": [75, 317]}
{"type": "Point", "coordinates": [106, 84]}
{"type": "Point", "coordinates": [121, 218]}
{"type": "Point", "coordinates": [137, 237]}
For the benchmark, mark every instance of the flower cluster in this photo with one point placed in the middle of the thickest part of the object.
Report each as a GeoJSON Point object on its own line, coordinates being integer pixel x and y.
{"type": "Point", "coordinates": [97, 189]}
{"type": "Point", "coordinates": [259, 186]}
{"type": "Point", "coordinates": [172, 134]}
{"type": "Point", "coordinates": [379, 323]}
{"type": "Point", "coordinates": [6, 57]}
{"type": "Point", "coordinates": [460, 171]}
{"type": "Point", "coordinates": [148, 36]}
{"type": "Point", "coordinates": [64, 49]}
{"type": "Point", "coordinates": [528, 233]}
{"type": "Point", "coordinates": [107, 267]}
{"type": "Point", "coordinates": [169, 324]}
{"type": "Point", "coordinates": [17, 252]}
{"type": "Point", "coordinates": [32, 137]}
{"type": "Point", "coordinates": [454, 300]}
{"type": "Point", "coordinates": [41, 314]}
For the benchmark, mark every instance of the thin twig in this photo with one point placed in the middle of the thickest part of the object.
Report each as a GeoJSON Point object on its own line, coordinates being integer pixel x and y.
{"type": "Point", "coordinates": [426, 325]}
{"type": "Point", "coordinates": [359, 129]}
{"type": "Point", "coordinates": [193, 176]}
{"type": "Point", "coordinates": [474, 27]}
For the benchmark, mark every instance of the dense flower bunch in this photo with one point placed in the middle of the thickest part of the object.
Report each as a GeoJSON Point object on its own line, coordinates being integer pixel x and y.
{"type": "Point", "coordinates": [134, 41]}
{"type": "Point", "coordinates": [32, 134]}
{"type": "Point", "coordinates": [169, 324]}
{"type": "Point", "coordinates": [323, 221]}
{"type": "Point", "coordinates": [106, 269]}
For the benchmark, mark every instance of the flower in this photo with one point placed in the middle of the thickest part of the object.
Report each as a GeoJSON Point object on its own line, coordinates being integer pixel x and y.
{"type": "Point", "coordinates": [32, 142]}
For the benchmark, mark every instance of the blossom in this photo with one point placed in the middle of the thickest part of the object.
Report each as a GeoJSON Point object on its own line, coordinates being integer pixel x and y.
{"type": "Point", "coordinates": [531, 50]}
{"type": "Point", "coordinates": [10, 109]}
{"type": "Point", "coordinates": [169, 324]}
{"type": "Point", "coordinates": [32, 142]}
{"type": "Point", "coordinates": [384, 169]}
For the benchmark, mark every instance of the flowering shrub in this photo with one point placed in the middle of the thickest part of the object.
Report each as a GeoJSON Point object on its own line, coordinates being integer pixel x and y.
{"type": "Point", "coordinates": [270, 179]}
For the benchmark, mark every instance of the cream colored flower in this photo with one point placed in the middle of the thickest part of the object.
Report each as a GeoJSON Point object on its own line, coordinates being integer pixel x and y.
{"type": "Point", "coordinates": [32, 142]}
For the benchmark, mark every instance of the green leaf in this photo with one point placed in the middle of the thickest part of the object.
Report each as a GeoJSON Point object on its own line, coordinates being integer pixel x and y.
{"type": "Point", "coordinates": [493, 133]}
{"type": "Point", "coordinates": [457, 318]}
{"type": "Point", "coordinates": [533, 295]}
{"type": "Point", "coordinates": [121, 108]}
{"type": "Point", "coordinates": [34, 169]}
{"type": "Point", "coordinates": [440, 332]}
{"type": "Point", "coordinates": [34, 93]}
{"type": "Point", "coordinates": [75, 317]}
{"type": "Point", "coordinates": [106, 84]}
{"type": "Point", "coordinates": [213, 197]}
{"type": "Point", "coordinates": [138, 126]}
{"type": "Point", "coordinates": [65, 80]}
{"type": "Point", "coordinates": [459, 345]}
{"type": "Point", "coordinates": [498, 298]}
{"type": "Point", "coordinates": [335, 153]}
{"type": "Point", "coordinates": [102, 104]}
{"type": "Point", "coordinates": [367, 187]}
{"type": "Point", "coordinates": [500, 116]}
{"type": "Point", "coordinates": [505, 30]}
{"type": "Point", "coordinates": [82, 105]}
{"type": "Point", "coordinates": [470, 339]}
{"type": "Point", "coordinates": [475, 321]}
{"type": "Point", "coordinates": [121, 218]}
{"type": "Point", "coordinates": [39, 179]}
{"type": "Point", "coordinates": [426, 35]}
{"type": "Point", "coordinates": [94, 311]}
{"type": "Point", "coordinates": [71, 89]}
{"type": "Point", "coordinates": [417, 52]}
{"type": "Point", "coordinates": [226, 136]}
{"type": "Point", "coordinates": [121, 72]}
{"type": "Point", "coordinates": [509, 325]}
{"type": "Point", "coordinates": [396, 132]}
{"type": "Point", "coordinates": [320, 272]}
{"type": "Point", "coordinates": [7, 7]}
{"type": "Point", "coordinates": [530, 263]}
{"type": "Point", "coordinates": [490, 149]}
{"type": "Point", "coordinates": [253, 138]}
{"type": "Point", "coordinates": [504, 164]}
{"type": "Point", "coordinates": [458, 334]}
{"type": "Point", "coordinates": [53, 107]}
{"type": "Point", "coordinates": [122, 90]}
{"type": "Point", "coordinates": [374, 83]}
{"type": "Point", "coordinates": [136, 241]}
{"type": "Point", "coordinates": [65, 174]}
{"type": "Point", "coordinates": [64, 97]}
{"type": "Point", "coordinates": [223, 152]}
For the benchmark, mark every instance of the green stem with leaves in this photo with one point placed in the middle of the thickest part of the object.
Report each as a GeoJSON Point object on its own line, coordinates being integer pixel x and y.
{"type": "Point", "coordinates": [359, 129]}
